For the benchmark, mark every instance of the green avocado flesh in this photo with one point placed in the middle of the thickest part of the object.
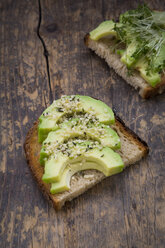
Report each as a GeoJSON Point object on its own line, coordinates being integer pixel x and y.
{"type": "Point", "coordinates": [127, 57]}
{"type": "Point", "coordinates": [142, 32]}
{"type": "Point", "coordinates": [105, 135]}
{"type": "Point", "coordinates": [69, 171]}
{"type": "Point", "coordinates": [151, 77]}
{"type": "Point", "coordinates": [70, 105]}
{"type": "Point", "coordinates": [107, 161]}
{"type": "Point", "coordinates": [76, 135]}
{"type": "Point", "coordinates": [104, 29]}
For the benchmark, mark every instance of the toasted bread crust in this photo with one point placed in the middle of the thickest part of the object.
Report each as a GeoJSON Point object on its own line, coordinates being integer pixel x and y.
{"type": "Point", "coordinates": [131, 135]}
{"type": "Point", "coordinates": [146, 92]}
{"type": "Point", "coordinates": [32, 150]}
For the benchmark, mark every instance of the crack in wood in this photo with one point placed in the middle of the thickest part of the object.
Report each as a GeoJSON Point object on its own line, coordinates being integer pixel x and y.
{"type": "Point", "coordinates": [46, 54]}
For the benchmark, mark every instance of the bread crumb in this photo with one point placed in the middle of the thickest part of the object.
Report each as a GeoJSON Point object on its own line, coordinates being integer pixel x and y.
{"type": "Point", "coordinates": [88, 176]}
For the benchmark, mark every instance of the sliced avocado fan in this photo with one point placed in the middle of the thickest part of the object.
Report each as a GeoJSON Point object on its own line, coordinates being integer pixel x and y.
{"type": "Point", "coordinates": [105, 135]}
{"type": "Point", "coordinates": [76, 136]}
{"type": "Point", "coordinates": [69, 105]}
{"type": "Point", "coordinates": [105, 160]}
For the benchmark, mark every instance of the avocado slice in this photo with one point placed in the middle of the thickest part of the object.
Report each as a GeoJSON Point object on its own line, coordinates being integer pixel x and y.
{"type": "Point", "coordinates": [104, 29]}
{"type": "Point", "coordinates": [105, 135]}
{"type": "Point", "coordinates": [127, 57]}
{"type": "Point", "coordinates": [69, 171]}
{"type": "Point", "coordinates": [46, 126]}
{"type": "Point", "coordinates": [69, 105]}
{"type": "Point", "coordinates": [153, 78]}
{"type": "Point", "coordinates": [109, 162]}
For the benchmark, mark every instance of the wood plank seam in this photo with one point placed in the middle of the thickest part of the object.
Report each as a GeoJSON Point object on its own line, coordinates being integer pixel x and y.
{"type": "Point", "coordinates": [46, 54]}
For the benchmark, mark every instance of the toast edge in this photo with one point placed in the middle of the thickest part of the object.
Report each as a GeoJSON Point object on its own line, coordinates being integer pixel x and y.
{"type": "Point", "coordinates": [140, 142]}
{"type": "Point", "coordinates": [29, 157]}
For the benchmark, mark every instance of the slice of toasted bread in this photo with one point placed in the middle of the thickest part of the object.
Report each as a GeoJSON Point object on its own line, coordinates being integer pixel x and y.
{"type": "Point", "coordinates": [132, 150]}
{"type": "Point", "coordinates": [102, 49]}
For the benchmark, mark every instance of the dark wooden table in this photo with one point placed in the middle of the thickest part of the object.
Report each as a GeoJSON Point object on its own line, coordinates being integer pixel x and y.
{"type": "Point", "coordinates": [42, 55]}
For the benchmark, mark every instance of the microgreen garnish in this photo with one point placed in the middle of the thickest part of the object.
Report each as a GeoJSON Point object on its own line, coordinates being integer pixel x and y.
{"type": "Point", "coordinates": [144, 30]}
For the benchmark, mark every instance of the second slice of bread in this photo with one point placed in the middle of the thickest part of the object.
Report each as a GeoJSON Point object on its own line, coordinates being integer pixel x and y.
{"type": "Point", "coordinates": [103, 49]}
{"type": "Point", "coordinates": [132, 150]}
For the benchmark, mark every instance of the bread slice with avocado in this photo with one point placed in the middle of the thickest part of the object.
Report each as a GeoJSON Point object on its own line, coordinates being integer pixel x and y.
{"type": "Point", "coordinates": [134, 47]}
{"type": "Point", "coordinates": [59, 174]}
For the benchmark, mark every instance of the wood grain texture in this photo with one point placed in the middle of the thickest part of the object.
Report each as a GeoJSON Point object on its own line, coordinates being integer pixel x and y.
{"type": "Point", "coordinates": [126, 210]}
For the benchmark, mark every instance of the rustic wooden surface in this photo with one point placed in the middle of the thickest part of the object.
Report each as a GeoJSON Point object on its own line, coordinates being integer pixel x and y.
{"type": "Point", "coordinates": [42, 56]}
